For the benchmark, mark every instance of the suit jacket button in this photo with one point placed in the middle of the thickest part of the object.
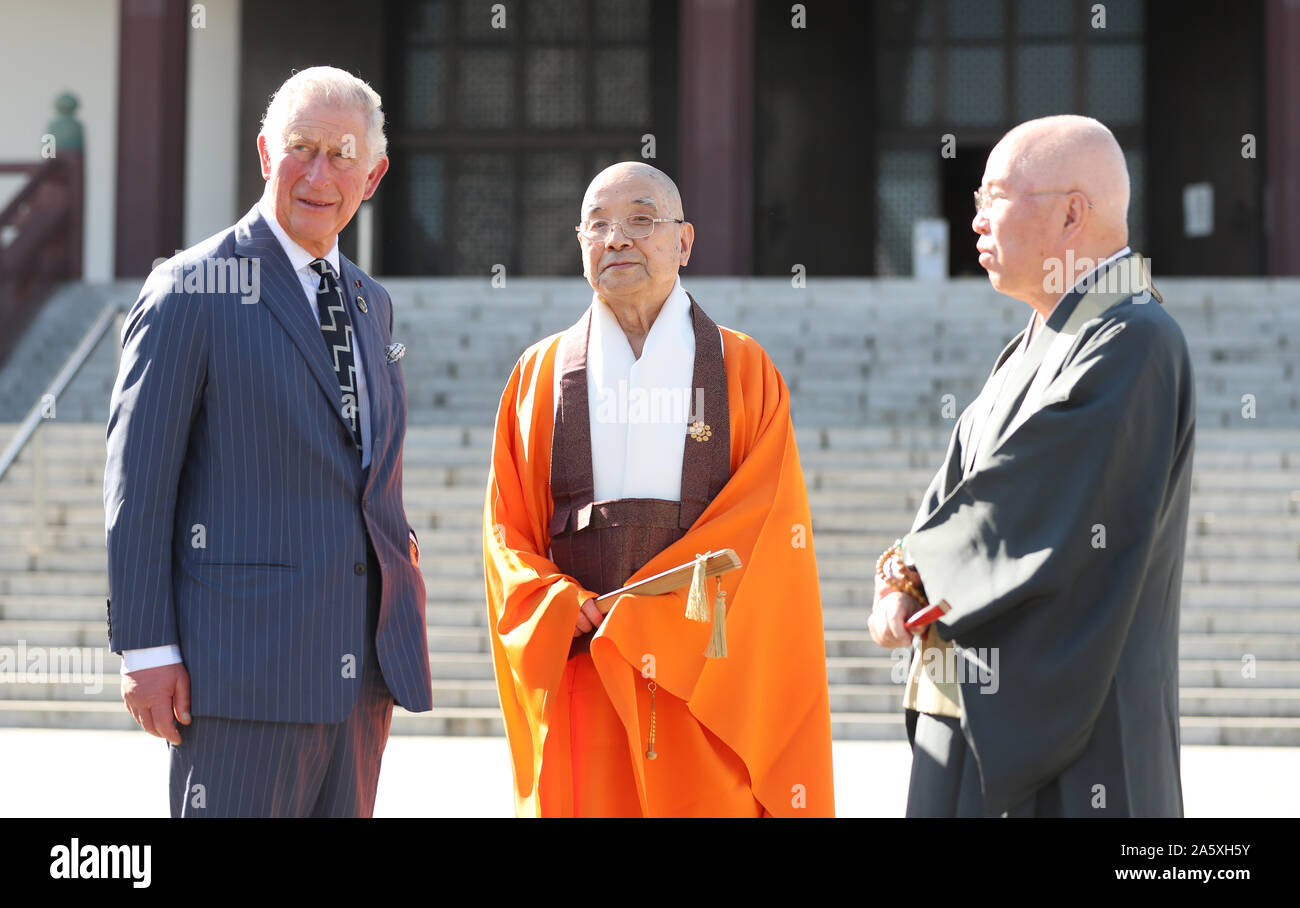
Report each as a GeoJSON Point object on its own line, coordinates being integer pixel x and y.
{"type": "Point", "coordinates": [359, 567]}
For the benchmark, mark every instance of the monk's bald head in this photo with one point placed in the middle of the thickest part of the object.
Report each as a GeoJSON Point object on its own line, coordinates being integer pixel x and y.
{"type": "Point", "coordinates": [1070, 152]}
{"type": "Point", "coordinates": [633, 273]}
{"type": "Point", "coordinates": [1055, 190]}
{"type": "Point", "coordinates": [627, 173]}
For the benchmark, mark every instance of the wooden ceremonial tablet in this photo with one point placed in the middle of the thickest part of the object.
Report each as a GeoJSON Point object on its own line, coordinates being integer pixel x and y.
{"type": "Point", "coordinates": [672, 579]}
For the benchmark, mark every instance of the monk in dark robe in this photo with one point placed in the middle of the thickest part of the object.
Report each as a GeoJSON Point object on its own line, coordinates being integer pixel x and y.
{"type": "Point", "coordinates": [1051, 540]}
{"type": "Point", "coordinates": [639, 439]}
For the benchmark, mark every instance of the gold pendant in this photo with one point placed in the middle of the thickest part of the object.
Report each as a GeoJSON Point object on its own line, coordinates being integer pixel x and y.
{"type": "Point", "coordinates": [650, 753]}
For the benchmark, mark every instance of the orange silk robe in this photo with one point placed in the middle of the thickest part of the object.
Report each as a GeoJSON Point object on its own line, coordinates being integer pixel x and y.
{"type": "Point", "coordinates": [748, 734]}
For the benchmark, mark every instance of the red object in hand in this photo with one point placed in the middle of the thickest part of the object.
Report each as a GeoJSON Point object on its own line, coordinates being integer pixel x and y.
{"type": "Point", "coordinates": [926, 616]}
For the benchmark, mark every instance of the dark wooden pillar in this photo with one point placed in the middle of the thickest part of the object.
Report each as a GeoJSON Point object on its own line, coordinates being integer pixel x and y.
{"type": "Point", "coordinates": [715, 144]}
{"type": "Point", "coordinates": [150, 133]}
{"type": "Point", "coordinates": [1283, 94]}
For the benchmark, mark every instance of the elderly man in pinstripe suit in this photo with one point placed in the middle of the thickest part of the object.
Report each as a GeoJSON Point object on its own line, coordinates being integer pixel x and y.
{"type": "Point", "coordinates": [264, 583]}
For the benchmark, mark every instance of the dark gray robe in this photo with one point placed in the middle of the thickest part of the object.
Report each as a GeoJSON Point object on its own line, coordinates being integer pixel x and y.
{"type": "Point", "coordinates": [1010, 534]}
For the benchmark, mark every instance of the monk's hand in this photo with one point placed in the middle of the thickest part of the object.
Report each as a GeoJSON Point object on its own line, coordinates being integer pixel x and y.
{"type": "Point", "coordinates": [889, 614]}
{"type": "Point", "coordinates": [589, 618]}
{"type": "Point", "coordinates": [153, 696]}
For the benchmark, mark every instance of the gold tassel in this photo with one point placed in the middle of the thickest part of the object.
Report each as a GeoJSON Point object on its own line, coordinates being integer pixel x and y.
{"type": "Point", "coordinates": [697, 603]}
{"type": "Point", "coordinates": [718, 643]}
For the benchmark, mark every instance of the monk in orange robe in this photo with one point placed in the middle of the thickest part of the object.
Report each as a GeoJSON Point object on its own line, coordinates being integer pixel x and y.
{"type": "Point", "coordinates": [598, 481]}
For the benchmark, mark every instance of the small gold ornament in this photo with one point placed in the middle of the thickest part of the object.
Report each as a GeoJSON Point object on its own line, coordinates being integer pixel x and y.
{"type": "Point", "coordinates": [650, 754]}
{"type": "Point", "coordinates": [700, 430]}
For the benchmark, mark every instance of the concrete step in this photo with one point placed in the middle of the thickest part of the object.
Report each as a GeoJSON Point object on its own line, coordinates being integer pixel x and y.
{"type": "Point", "coordinates": [53, 559]}
{"type": "Point", "coordinates": [38, 582]}
{"type": "Point", "coordinates": [1248, 731]}
{"type": "Point", "coordinates": [1237, 594]}
{"type": "Point", "coordinates": [1237, 701]}
{"type": "Point", "coordinates": [57, 633]}
{"type": "Point", "coordinates": [105, 687]}
{"type": "Point", "coordinates": [1230, 646]}
{"type": "Point", "coordinates": [884, 726]}
{"type": "Point", "coordinates": [458, 639]}
{"type": "Point", "coordinates": [461, 667]}
{"type": "Point", "coordinates": [450, 722]}
{"type": "Point", "coordinates": [1252, 675]}
{"type": "Point", "coordinates": [40, 607]}
{"type": "Point", "coordinates": [98, 714]}
{"type": "Point", "coordinates": [1233, 620]}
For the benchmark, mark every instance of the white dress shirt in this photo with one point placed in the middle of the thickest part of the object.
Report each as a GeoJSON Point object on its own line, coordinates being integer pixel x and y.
{"type": "Point", "coordinates": [300, 261]}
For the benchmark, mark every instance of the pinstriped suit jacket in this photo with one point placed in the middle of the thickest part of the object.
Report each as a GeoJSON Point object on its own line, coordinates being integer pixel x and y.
{"type": "Point", "coordinates": [236, 508]}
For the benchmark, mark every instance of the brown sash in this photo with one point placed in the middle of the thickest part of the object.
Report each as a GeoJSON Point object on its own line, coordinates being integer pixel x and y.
{"type": "Point", "coordinates": [602, 544]}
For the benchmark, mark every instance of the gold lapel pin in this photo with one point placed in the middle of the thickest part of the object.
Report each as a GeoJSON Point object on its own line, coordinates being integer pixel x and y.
{"type": "Point", "coordinates": [361, 304]}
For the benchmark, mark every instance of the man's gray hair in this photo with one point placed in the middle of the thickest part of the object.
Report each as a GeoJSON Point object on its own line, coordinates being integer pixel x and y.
{"type": "Point", "coordinates": [332, 86]}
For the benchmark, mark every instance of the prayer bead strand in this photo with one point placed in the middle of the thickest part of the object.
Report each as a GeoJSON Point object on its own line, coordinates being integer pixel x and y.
{"type": "Point", "coordinates": [896, 576]}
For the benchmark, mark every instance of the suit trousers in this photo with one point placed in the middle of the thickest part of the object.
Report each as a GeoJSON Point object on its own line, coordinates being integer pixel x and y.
{"type": "Point", "coordinates": [243, 768]}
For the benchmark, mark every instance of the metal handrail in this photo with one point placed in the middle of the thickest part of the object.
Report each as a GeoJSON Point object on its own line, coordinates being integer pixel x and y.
{"type": "Point", "coordinates": [70, 368]}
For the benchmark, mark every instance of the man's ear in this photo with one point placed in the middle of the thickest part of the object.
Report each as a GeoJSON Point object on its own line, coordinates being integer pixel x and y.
{"type": "Point", "coordinates": [1076, 215]}
{"type": "Point", "coordinates": [265, 156]}
{"type": "Point", "coordinates": [688, 240]}
{"type": "Point", "coordinates": [376, 174]}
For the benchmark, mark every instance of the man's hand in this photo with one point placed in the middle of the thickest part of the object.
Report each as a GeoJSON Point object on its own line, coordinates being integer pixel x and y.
{"type": "Point", "coordinates": [154, 695]}
{"type": "Point", "coordinates": [889, 612]}
{"type": "Point", "coordinates": [589, 618]}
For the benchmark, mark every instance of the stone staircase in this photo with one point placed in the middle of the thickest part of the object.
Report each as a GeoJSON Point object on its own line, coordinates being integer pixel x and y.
{"type": "Point", "coordinates": [869, 364]}
{"type": "Point", "coordinates": [47, 344]}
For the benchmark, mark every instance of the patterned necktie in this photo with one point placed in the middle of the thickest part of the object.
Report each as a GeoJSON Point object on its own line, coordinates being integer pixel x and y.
{"type": "Point", "coordinates": [336, 328]}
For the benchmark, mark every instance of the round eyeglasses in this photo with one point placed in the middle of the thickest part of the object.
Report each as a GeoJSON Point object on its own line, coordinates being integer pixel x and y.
{"type": "Point", "coordinates": [984, 199]}
{"type": "Point", "coordinates": [634, 227]}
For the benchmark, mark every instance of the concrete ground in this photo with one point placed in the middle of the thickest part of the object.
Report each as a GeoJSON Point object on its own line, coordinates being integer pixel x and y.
{"type": "Point", "coordinates": [70, 773]}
